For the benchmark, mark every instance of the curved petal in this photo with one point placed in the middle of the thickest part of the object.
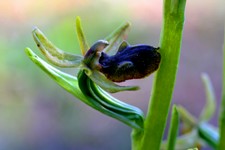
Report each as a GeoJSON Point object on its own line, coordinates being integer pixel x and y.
{"type": "Point", "coordinates": [108, 85]}
{"type": "Point", "coordinates": [81, 37]}
{"type": "Point", "coordinates": [116, 38]}
{"type": "Point", "coordinates": [210, 106]}
{"type": "Point", "coordinates": [84, 89]}
{"type": "Point", "coordinates": [108, 105]}
{"type": "Point", "coordinates": [68, 82]}
{"type": "Point", "coordinates": [53, 54]}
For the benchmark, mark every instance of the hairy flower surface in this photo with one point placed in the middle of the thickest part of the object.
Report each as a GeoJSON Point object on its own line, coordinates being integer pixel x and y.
{"type": "Point", "coordinates": [130, 62]}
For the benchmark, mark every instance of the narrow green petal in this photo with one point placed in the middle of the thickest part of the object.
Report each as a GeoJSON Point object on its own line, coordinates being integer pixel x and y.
{"type": "Point", "coordinates": [187, 140]}
{"type": "Point", "coordinates": [186, 117]}
{"type": "Point", "coordinates": [53, 54]}
{"type": "Point", "coordinates": [116, 38]}
{"type": "Point", "coordinates": [108, 85]}
{"type": "Point", "coordinates": [210, 105]}
{"type": "Point", "coordinates": [81, 37]}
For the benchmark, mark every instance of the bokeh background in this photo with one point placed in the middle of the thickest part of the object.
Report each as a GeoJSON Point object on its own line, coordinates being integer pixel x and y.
{"type": "Point", "coordinates": [35, 113]}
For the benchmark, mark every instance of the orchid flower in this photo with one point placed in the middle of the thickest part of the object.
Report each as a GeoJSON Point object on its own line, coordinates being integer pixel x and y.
{"type": "Point", "coordinates": [94, 78]}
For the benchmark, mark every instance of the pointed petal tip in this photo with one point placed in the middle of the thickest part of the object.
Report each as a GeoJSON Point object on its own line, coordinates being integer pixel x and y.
{"type": "Point", "coordinates": [34, 28]}
{"type": "Point", "coordinates": [77, 17]}
{"type": "Point", "coordinates": [134, 88]}
{"type": "Point", "coordinates": [123, 88]}
{"type": "Point", "coordinates": [29, 52]}
{"type": "Point", "coordinates": [78, 20]}
{"type": "Point", "coordinates": [128, 24]}
{"type": "Point", "coordinates": [36, 31]}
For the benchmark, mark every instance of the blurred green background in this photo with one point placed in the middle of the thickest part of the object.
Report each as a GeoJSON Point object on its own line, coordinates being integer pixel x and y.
{"type": "Point", "coordinates": [35, 113]}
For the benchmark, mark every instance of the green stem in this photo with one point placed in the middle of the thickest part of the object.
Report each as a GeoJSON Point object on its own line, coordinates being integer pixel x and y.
{"type": "Point", "coordinates": [221, 145]}
{"type": "Point", "coordinates": [170, 45]}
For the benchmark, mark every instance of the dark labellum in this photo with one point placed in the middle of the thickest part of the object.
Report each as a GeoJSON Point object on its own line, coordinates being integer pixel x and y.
{"type": "Point", "coordinates": [130, 62]}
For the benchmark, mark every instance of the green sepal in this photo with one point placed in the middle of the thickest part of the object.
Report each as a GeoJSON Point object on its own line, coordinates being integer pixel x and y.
{"type": "Point", "coordinates": [87, 91]}
{"type": "Point", "coordinates": [81, 37]}
{"type": "Point", "coordinates": [210, 106]}
{"type": "Point", "coordinates": [116, 38]}
{"type": "Point", "coordinates": [53, 54]}
{"type": "Point", "coordinates": [123, 45]}
{"type": "Point", "coordinates": [108, 85]}
{"type": "Point", "coordinates": [108, 105]}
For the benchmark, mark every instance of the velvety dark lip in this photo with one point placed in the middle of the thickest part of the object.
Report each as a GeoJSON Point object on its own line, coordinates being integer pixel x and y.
{"type": "Point", "coordinates": [130, 62]}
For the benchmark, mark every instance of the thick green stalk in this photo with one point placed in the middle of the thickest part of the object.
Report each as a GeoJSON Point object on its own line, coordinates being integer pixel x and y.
{"type": "Point", "coordinates": [170, 45]}
{"type": "Point", "coordinates": [221, 145]}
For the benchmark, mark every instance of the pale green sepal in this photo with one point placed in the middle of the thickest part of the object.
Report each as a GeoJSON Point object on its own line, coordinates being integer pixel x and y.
{"type": "Point", "coordinates": [68, 82]}
{"type": "Point", "coordinates": [91, 94]}
{"type": "Point", "coordinates": [81, 37]}
{"type": "Point", "coordinates": [116, 38]}
{"type": "Point", "coordinates": [123, 46]}
{"type": "Point", "coordinates": [210, 105]}
{"type": "Point", "coordinates": [53, 54]}
{"type": "Point", "coordinates": [108, 85]}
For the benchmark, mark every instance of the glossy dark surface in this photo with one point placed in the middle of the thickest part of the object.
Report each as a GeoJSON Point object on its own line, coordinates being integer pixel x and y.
{"type": "Point", "coordinates": [130, 62]}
